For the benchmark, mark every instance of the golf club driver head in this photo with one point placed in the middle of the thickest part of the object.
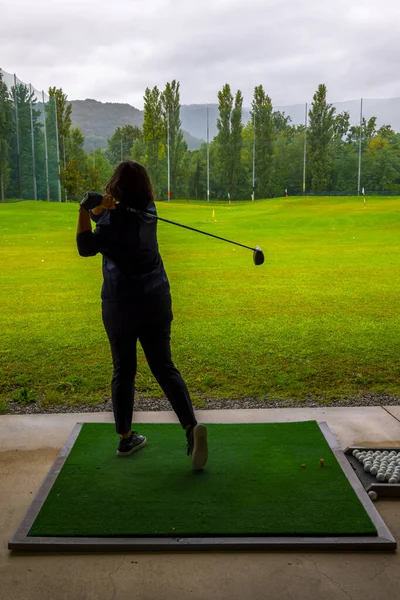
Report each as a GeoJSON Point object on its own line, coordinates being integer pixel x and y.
{"type": "Point", "coordinates": [258, 256]}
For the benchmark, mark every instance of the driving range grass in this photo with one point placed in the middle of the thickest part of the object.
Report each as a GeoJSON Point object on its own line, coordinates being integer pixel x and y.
{"type": "Point", "coordinates": [321, 316]}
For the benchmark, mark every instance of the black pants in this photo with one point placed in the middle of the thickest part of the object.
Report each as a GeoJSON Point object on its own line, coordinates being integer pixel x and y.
{"type": "Point", "coordinates": [124, 329]}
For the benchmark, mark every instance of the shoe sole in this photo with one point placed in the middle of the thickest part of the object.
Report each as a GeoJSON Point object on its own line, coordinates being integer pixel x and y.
{"type": "Point", "coordinates": [200, 449]}
{"type": "Point", "coordinates": [129, 452]}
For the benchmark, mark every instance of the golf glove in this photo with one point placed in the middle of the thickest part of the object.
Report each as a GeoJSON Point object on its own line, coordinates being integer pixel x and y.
{"type": "Point", "coordinates": [91, 200]}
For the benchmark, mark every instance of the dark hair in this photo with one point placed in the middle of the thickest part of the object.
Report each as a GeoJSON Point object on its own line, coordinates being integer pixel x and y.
{"type": "Point", "coordinates": [130, 185]}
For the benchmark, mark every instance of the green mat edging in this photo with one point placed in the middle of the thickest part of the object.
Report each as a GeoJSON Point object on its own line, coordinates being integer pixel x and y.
{"type": "Point", "coordinates": [254, 484]}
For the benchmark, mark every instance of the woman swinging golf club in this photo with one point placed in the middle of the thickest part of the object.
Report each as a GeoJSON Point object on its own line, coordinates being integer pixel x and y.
{"type": "Point", "coordinates": [136, 301]}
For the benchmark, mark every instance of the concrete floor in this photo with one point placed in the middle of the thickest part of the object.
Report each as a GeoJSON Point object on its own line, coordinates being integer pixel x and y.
{"type": "Point", "coordinates": [28, 446]}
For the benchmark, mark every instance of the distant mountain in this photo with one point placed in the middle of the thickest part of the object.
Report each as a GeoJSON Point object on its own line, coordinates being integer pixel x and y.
{"type": "Point", "coordinates": [193, 143]}
{"type": "Point", "coordinates": [99, 120]}
{"type": "Point", "coordinates": [386, 111]}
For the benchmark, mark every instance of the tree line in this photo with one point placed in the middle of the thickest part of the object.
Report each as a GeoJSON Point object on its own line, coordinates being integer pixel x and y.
{"type": "Point", "coordinates": [264, 157]}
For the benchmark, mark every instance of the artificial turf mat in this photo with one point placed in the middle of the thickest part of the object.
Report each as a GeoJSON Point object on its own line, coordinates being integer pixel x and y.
{"type": "Point", "coordinates": [254, 484]}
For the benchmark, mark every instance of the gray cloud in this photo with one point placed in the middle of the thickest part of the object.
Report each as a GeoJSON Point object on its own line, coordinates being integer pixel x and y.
{"type": "Point", "coordinates": [113, 50]}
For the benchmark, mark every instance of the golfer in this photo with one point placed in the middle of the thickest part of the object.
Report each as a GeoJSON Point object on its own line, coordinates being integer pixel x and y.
{"type": "Point", "coordinates": [136, 301]}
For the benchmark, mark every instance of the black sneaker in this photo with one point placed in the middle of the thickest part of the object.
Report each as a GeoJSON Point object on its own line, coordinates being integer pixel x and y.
{"type": "Point", "coordinates": [131, 444]}
{"type": "Point", "coordinates": [197, 446]}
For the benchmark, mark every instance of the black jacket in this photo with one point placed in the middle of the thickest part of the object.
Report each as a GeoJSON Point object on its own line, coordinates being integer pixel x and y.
{"type": "Point", "coordinates": [133, 270]}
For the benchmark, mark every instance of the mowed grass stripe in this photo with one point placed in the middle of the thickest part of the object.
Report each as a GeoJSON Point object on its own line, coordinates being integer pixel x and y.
{"type": "Point", "coordinates": [321, 316]}
{"type": "Point", "coordinates": [253, 484]}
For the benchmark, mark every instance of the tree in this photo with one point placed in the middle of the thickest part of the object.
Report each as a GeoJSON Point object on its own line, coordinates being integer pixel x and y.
{"type": "Point", "coordinates": [121, 143]}
{"type": "Point", "coordinates": [153, 137]}
{"type": "Point", "coordinates": [103, 166]}
{"type": "Point", "coordinates": [223, 138]}
{"type": "Point", "coordinates": [198, 173]}
{"type": "Point", "coordinates": [5, 134]}
{"type": "Point", "coordinates": [58, 104]}
{"type": "Point", "coordinates": [381, 163]}
{"type": "Point", "coordinates": [236, 144]}
{"type": "Point", "coordinates": [320, 133]}
{"type": "Point", "coordinates": [228, 142]}
{"type": "Point", "coordinates": [73, 175]}
{"type": "Point", "coordinates": [281, 121]}
{"type": "Point", "coordinates": [25, 144]}
{"type": "Point", "coordinates": [342, 125]}
{"type": "Point", "coordinates": [262, 117]}
{"type": "Point", "coordinates": [345, 167]}
{"type": "Point", "coordinates": [287, 172]}
{"type": "Point", "coordinates": [138, 151]}
{"type": "Point", "coordinates": [246, 161]}
{"type": "Point", "coordinates": [342, 156]}
{"type": "Point", "coordinates": [368, 130]}
{"type": "Point", "coordinates": [98, 171]}
{"type": "Point", "coordinates": [386, 132]}
{"type": "Point", "coordinates": [170, 100]}
{"type": "Point", "coordinates": [64, 121]}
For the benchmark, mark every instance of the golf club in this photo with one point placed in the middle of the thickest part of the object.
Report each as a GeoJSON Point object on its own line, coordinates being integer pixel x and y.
{"type": "Point", "coordinates": [258, 255]}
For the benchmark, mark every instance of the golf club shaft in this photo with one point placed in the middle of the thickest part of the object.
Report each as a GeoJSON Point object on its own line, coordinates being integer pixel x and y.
{"type": "Point", "coordinates": [197, 230]}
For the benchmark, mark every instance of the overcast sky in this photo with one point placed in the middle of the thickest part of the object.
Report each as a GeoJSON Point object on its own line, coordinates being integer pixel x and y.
{"type": "Point", "coordinates": [112, 50]}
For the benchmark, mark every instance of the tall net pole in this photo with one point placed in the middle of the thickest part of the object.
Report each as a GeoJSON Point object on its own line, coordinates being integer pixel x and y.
{"type": "Point", "coordinates": [168, 158]}
{"type": "Point", "coordinates": [17, 134]}
{"type": "Point", "coordinates": [1, 174]}
{"type": "Point", "coordinates": [254, 158]}
{"type": "Point", "coordinates": [208, 157]}
{"type": "Point", "coordinates": [46, 153]}
{"type": "Point", "coordinates": [65, 166]}
{"type": "Point", "coordinates": [33, 146]}
{"type": "Point", "coordinates": [359, 149]}
{"type": "Point", "coordinates": [2, 161]}
{"type": "Point", "coordinates": [65, 162]}
{"type": "Point", "coordinates": [305, 150]}
{"type": "Point", "coordinates": [58, 151]}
